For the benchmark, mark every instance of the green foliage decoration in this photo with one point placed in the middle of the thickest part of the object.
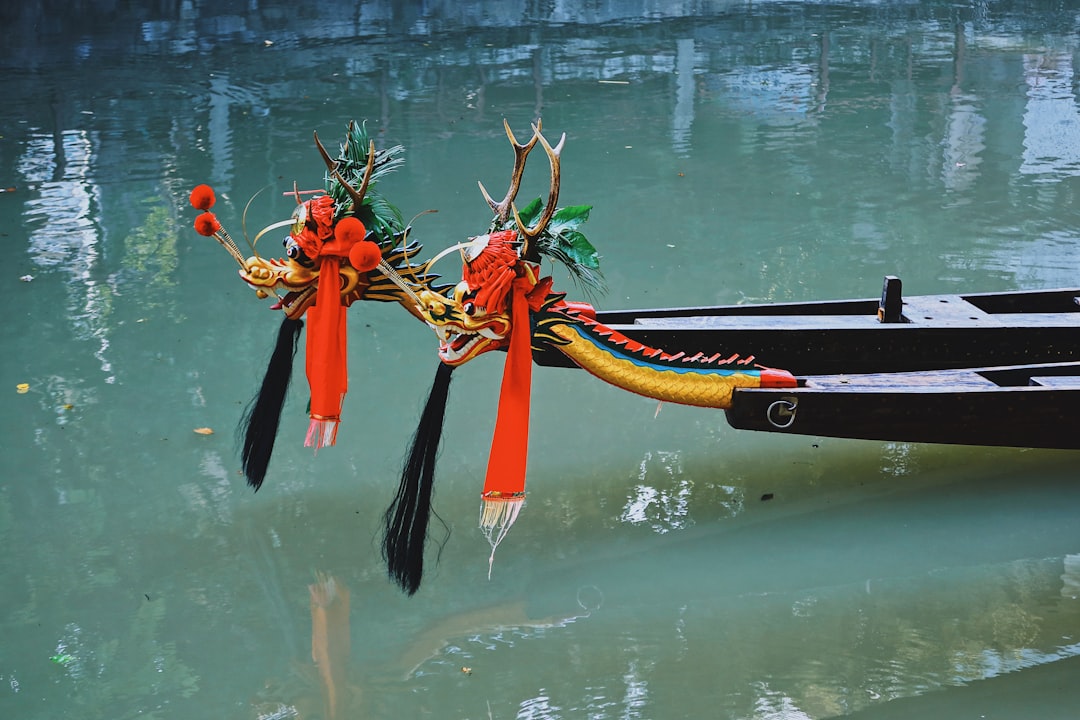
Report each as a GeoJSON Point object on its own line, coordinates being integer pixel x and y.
{"type": "Point", "coordinates": [563, 242]}
{"type": "Point", "coordinates": [376, 212]}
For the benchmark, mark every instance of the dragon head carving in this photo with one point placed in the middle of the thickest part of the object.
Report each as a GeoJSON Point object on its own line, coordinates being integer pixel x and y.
{"type": "Point", "coordinates": [376, 261]}
{"type": "Point", "coordinates": [294, 279]}
{"type": "Point", "coordinates": [345, 243]}
{"type": "Point", "coordinates": [473, 317]}
{"type": "Point", "coordinates": [348, 220]}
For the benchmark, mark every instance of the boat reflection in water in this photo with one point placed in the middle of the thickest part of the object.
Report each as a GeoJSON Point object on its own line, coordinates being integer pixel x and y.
{"type": "Point", "coordinates": [331, 639]}
{"type": "Point", "coordinates": [814, 614]}
{"type": "Point", "coordinates": [428, 651]}
{"type": "Point", "coordinates": [434, 646]}
{"type": "Point", "coordinates": [793, 609]}
{"type": "Point", "coordinates": [898, 637]}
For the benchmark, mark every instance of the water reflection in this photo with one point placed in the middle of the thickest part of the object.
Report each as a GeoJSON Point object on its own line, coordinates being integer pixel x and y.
{"type": "Point", "coordinates": [1051, 117]}
{"type": "Point", "coordinates": [65, 234]}
{"type": "Point", "coordinates": [663, 503]}
{"type": "Point", "coordinates": [321, 685]}
{"type": "Point", "coordinates": [888, 638]}
{"type": "Point", "coordinates": [898, 637]}
{"type": "Point", "coordinates": [965, 129]}
{"type": "Point", "coordinates": [454, 642]}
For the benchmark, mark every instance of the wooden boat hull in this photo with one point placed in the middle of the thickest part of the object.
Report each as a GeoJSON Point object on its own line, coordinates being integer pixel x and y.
{"type": "Point", "coordinates": [892, 368]}
{"type": "Point", "coordinates": [1018, 406]}
{"type": "Point", "coordinates": [926, 332]}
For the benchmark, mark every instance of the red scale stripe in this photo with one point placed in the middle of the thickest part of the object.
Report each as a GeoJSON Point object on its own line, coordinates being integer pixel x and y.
{"type": "Point", "coordinates": [647, 352]}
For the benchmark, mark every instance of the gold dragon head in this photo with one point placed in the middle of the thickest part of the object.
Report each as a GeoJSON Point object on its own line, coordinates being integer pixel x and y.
{"type": "Point", "coordinates": [473, 317]}
{"type": "Point", "coordinates": [347, 220]}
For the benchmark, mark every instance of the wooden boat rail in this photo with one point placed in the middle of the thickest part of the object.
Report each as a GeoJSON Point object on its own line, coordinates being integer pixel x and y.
{"type": "Point", "coordinates": [923, 332]}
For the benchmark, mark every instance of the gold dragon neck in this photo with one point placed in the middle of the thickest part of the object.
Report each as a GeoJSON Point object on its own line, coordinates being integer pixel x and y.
{"type": "Point", "coordinates": [677, 378]}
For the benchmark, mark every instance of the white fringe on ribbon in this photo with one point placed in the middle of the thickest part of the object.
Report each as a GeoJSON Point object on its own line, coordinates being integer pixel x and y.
{"type": "Point", "coordinates": [321, 433]}
{"type": "Point", "coordinates": [497, 515]}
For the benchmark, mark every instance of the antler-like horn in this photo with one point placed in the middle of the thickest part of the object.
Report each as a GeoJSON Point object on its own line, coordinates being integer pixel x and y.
{"type": "Point", "coordinates": [332, 167]}
{"type": "Point", "coordinates": [529, 234]}
{"type": "Point", "coordinates": [521, 152]}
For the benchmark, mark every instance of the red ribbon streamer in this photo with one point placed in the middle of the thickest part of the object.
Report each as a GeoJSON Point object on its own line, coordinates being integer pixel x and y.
{"type": "Point", "coordinates": [327, 358]}
{"type": "Point", "coordinates": [510, 445]}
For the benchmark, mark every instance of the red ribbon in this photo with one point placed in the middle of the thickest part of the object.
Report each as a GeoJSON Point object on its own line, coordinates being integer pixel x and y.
{"type": "Point", "coordinates": [327, 356]}
{"type": "Point", "coordinates": [510, 445]}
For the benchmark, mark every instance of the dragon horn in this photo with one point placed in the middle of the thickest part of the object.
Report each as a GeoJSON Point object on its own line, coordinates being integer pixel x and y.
{"type": "Point", "coordinates": [332, 167]}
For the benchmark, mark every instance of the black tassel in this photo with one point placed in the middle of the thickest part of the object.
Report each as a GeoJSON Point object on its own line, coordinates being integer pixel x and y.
{"type": "Point", "coordinates": [260, 422]}
{"type": "Point", "coordinates": [407, 517]}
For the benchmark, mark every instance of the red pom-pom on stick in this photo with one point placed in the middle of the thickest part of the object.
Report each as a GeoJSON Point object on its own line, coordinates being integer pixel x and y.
{"type": "Point", "coordinates": [365, 255]}
{"type": "Point", "coordinates": [207, 224]}
{"type": "Point", "coordinates": [202, 197]}
{"type": "Point", "coordinates": [349, 230]}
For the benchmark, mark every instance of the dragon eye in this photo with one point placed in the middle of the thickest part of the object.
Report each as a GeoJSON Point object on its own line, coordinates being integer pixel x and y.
{"type": "Point", "coordinates": [469, 309]}
{"type": "Point", "coordinates": [295, 252]}
{"type": "Point", "coordinates": [292, 248]}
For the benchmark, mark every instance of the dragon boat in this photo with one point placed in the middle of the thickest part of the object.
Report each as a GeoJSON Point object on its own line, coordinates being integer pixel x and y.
{"type": "Point", "coordinates": [345, 243]}
{"type": "Point", "coordinates": [885, 334]}
{"type": "Point", "coordinates": [941, 369]}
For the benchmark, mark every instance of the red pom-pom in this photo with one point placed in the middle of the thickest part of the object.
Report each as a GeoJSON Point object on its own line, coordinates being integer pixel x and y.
{"type": "Point", "coordinates": [207, 224]}
{"type": "Point", "coordinates": [202, 197]}
{"type": "Point", "coordinates": [365, 255]}
{"type": "Point", "coordinates": [349, 230]}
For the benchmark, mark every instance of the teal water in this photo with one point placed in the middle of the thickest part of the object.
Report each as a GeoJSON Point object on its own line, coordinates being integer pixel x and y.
{"type": "Point", "coordinates": [733, 152]}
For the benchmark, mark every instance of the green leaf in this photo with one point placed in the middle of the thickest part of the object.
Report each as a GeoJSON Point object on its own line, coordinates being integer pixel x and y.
{"type": "Point", "coordinates": [569, 218]}
{"type": "Point", "coordinates": [531, 212]}
{"type": "Point", "coordinates": [579, 249]}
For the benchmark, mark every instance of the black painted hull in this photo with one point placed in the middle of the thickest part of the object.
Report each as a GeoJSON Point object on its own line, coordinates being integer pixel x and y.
{"type": "Point", "coordinates": [895, 369]}
{"type": "Point", "coordinates": [816, 338]}
{"type": "Point", "coordinates": [1021, 406]}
